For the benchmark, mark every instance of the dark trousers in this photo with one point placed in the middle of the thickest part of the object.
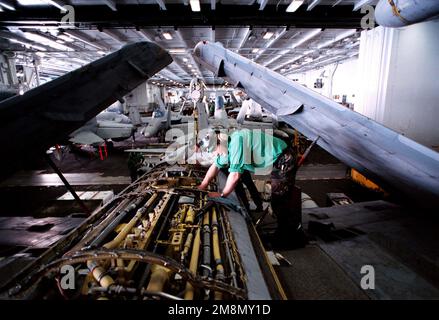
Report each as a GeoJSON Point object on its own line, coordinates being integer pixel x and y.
{"type": "Point", "coordinates": [246, 179]}
{"type": "Point", "coordinates": [286, 199]}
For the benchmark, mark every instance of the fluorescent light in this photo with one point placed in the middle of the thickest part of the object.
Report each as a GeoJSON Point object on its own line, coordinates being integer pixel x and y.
{"type": "Point", "coordinates": [81, 38]}
{"type": "Point", "coordinates": [28, 45]}
{"type": "Point", "coordinates": [177, 51]}
{"type": "Point", "coordinates": [189, 65]}
{"type": "Point", "coordinates": [267, 35]}
{"type": "Point", "coordinates": [310, 35]}
{"type": "Point", "coordinates": [184, 59]}
{"type": "Point", "coordinates": [294, 5]}
{"type": "Point", "coordinates": [195, 5]}
{"type": "Point", "coordinates": [167, 35]}
{"type": "Point", "coordinates": [31, 2]}
{"type": "Point", "coordinates": [66, 38]}
{"type": "Point", "coordinates": [45, 41]}
{"type": "Point", "coordinates": [7, 6]}
{"type": "Point", "coordinates": [255, 50]}
{"type": "Point", "coordinates": [338, 38]}
{"type": "Point", "coordinates": [53, 3]}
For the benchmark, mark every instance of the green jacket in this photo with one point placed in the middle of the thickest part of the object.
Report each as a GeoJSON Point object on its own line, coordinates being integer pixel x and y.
{"type": "Point", "coordinates": [251, 150]}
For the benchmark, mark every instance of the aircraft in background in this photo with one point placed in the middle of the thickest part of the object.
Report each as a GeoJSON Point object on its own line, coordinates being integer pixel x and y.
{"type": "Point", "coordinates": [48, 114]}
{"type": "Point", "coordinates": [161, 120]}
{"type": "Point", "coordinates": [104, 127]}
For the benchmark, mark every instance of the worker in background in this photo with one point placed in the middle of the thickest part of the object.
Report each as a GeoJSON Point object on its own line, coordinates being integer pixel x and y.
{"type": "Point", "coordinates": [250, 109]}
{"type": "Point", "coordinates": [252, 151]}
{"type": "Point", "coordinates": [220, 112]}
{"type": "Point", "coordinates": [135, 160]}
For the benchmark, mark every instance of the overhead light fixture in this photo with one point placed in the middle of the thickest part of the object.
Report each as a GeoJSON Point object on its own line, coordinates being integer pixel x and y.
{"type": "Point", "coordinates": [184, 59]}
{"type": "Point", "coordinates": [189, 65]}
{"type": "Point", "coordinates": [167, 35]}
{"type": "Point", "coordinates": [195, 5]}
{"type": "Point", "coordinates": [46, 41]}
{"type": "Point", "coordinates": [338, 38]}
{"type": "Point", "coordinates": [53, 3]}
{"type": "Point", "coordinates": [40, 2]}
{"type": "Point", "coordinates": [66, 38]}
{"type": "Point", "coordinates": [177, 51]}
{"type": "Point", "coordinates": [294, 5]}
{"type": "Point", "coordinates": [83, 39]}
{"type": "Point", "coordinates": [267, 35]}
{"type": "Point", "coordinates": [309, 36]}
{"type": "Point", "coordinates": [7, 6]}
{"type": "Point", "coordinates": [28, 45]}
{"type": "Point", "coordinates": [255, 50]}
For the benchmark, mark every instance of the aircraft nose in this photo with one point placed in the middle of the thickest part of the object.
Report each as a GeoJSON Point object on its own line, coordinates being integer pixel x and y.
{"type": "Point", "coordinates": [198, 48]}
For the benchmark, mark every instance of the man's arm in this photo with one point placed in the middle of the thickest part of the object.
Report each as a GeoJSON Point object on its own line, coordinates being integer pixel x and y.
{"type": "Point", "coordinates": [232, 181]}
{"type": "Point", "coordinates": [210, 175]}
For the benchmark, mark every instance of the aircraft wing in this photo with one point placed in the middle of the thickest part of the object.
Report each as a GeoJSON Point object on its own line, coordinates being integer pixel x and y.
{"type": "Point", "coordinates": [86, 138]}
{"type": "Point", "coordinates": [383, 155]}
{"type": "Point", "coordinates": [47, 114]}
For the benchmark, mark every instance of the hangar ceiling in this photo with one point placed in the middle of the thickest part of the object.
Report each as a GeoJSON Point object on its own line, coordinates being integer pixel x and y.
{"type": "Point", "coordinates": [318, 33]}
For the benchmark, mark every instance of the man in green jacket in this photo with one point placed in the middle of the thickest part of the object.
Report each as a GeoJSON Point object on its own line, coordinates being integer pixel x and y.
{"type": "Point", "coordinates": [256, 152]}
{"type": "Point", "coordinates": [245, 149]}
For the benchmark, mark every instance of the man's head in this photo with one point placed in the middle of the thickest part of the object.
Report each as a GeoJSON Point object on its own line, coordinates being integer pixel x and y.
{"type": "Point", "coordinates": [214, 141]}
{"type": "Point", "coordinates": [219, 102]}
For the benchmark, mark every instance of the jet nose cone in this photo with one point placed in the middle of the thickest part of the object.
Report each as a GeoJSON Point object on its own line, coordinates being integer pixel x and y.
{"type": "Point", "coordinates": [199, 47]}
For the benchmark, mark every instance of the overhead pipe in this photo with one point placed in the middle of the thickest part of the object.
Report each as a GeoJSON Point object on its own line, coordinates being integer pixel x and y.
{"type": "Point", "coordinates": [400, 13]}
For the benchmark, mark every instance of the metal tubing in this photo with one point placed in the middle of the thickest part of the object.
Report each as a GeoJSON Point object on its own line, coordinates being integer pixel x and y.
{"type": "Point", "coordinates": [207, 271]}
{"type": "Point", "coordinates": [67, 184]}
{"type": "Point", "coordinates": [193, 265]}
{"type": "Point", "coordinates": [219, 275]}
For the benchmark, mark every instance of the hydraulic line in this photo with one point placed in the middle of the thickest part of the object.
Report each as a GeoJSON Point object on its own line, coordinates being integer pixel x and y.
{"type": "Point", "coordinates": [130, 225]}
{"type": "Point", "coordinates": [100, 274]}
{"type": "Point", "coordinates": [126, 254]}
{"type": "Point", "coordinates": [193, 265]}
{"type": "Point", "coordinates": [190, 215]}
{"type": "Point", "coordinates": [219, 275]}
{"type": "Point", "coordinates": [207, 270]}
{"type": "Point", "coordinates": [159, 277]}
{"type": "Point", "coordinates": [171, 204]}
{"type": "Point", "coordinates": [227, 249]}
{"type": "Point", "coordinates": [114, 223]}
{"type": "Point", "coordinates": [187, 246]}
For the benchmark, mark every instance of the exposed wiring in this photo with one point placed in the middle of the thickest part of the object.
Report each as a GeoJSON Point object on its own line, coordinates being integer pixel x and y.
{"type": "Point", "coordinates": [129, 254]}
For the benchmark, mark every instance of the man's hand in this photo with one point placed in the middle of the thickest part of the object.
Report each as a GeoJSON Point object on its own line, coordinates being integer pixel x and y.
{"type": "Point", "coordinates": [214, 195]}
{"type": "Point", "coordinates": [202, 187]}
